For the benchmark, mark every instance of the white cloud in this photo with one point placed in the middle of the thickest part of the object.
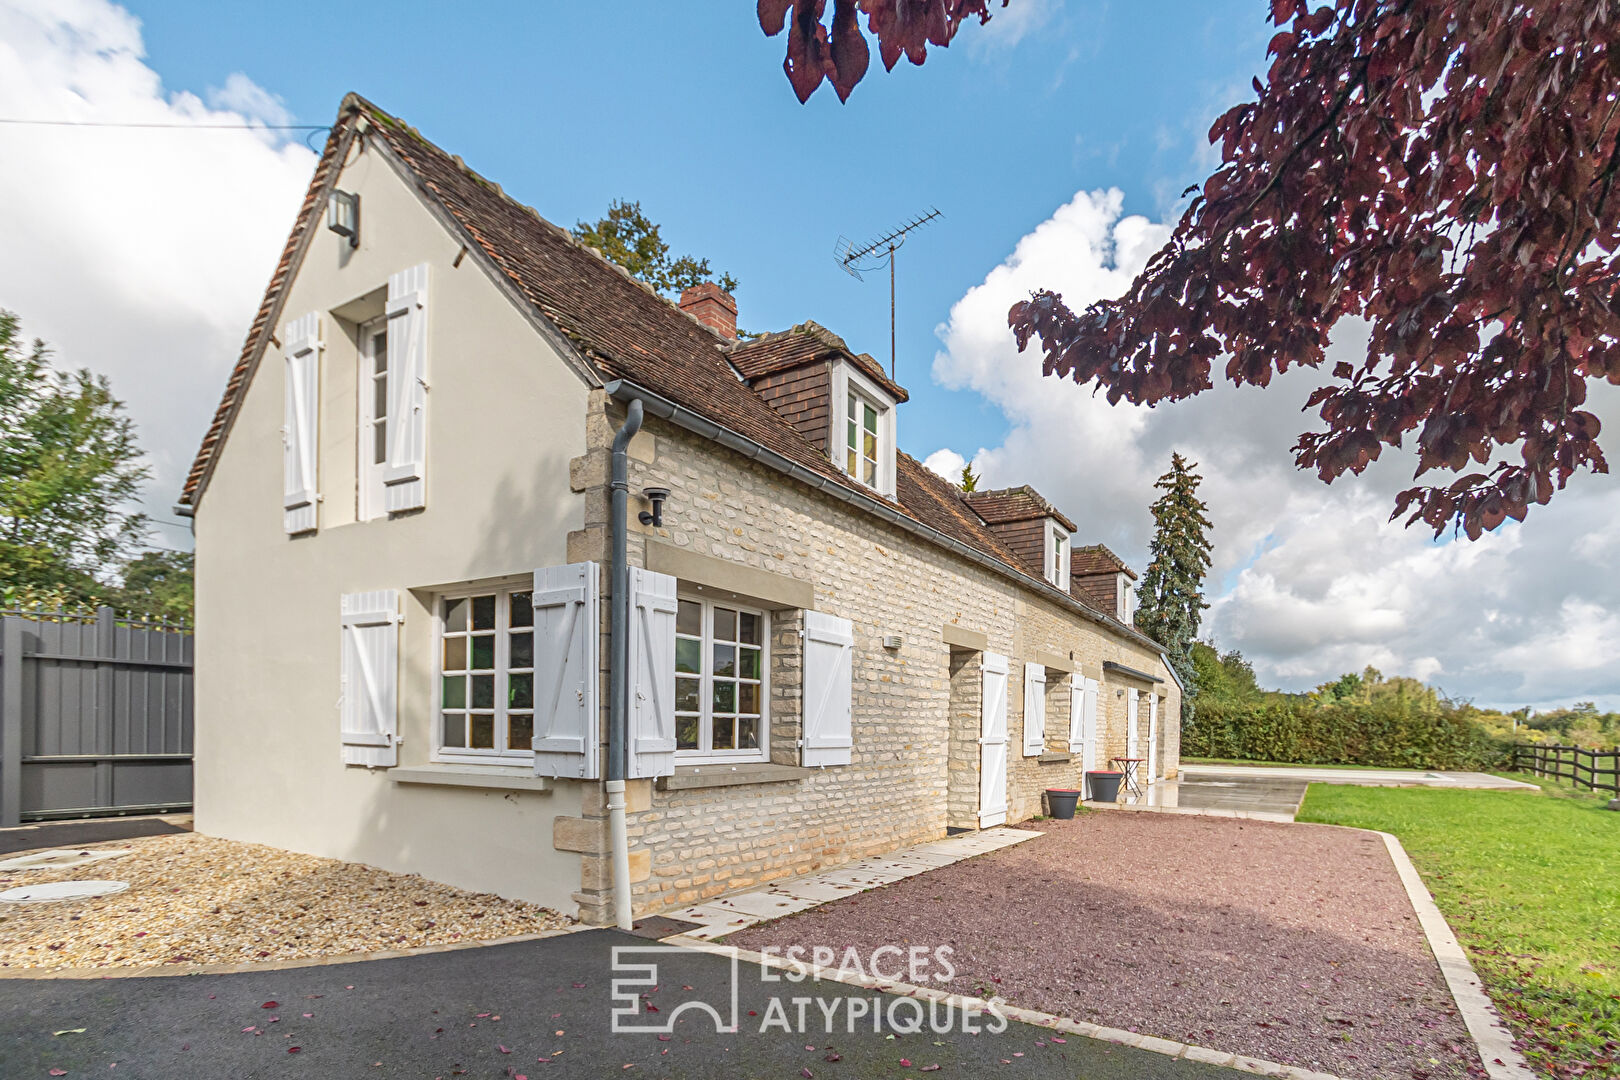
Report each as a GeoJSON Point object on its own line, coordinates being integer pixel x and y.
{"type": "Point", "coordinates": [140, 253]}
{"type": "Point", "coordinates": [1309, 580]}
{"type": "Point", "coordinates": [1010, 25]}
{"type": "Point", "coordinates": [947, 463]}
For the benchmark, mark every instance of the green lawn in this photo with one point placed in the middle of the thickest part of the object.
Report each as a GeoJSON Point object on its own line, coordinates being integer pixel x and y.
{"type": "Point", "coordinates": [1531, 886]}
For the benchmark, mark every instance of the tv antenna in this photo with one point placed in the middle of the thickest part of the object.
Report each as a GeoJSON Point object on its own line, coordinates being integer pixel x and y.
{"type": "Point", "coordinates": [872, 255]}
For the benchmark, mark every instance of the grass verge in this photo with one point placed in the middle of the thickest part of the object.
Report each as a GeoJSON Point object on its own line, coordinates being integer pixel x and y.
{"type": "Point", "coordinates": [1531, 886]}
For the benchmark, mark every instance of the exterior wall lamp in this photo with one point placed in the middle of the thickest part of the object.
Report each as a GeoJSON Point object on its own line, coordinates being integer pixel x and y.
{"type": "Point", "coordinates": [343, 215]}
{"type": "Point", "coordinates": [655, 517]}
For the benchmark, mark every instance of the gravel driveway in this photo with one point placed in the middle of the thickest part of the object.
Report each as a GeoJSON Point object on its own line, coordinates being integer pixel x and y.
{"type": "Point", "coordinates": [1293, 943]}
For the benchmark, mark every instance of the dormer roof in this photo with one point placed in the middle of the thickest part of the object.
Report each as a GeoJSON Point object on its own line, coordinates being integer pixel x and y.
{"type": "Point", "coordinates": [1096, 559]}
{"type": "Point", "coordinates": [807, 343]}
{"type": "Point", "coordinates": [1008, 506]}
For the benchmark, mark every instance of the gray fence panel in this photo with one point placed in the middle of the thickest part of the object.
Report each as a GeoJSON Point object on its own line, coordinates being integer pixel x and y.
{"type": "Point", "coordinates": [95, 716]}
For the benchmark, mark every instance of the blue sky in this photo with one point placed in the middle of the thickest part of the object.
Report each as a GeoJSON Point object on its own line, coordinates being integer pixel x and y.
{"type": "Point", "coordinates": [1056, 141]}
{"type": "Point", "coordinates": [685, 107]}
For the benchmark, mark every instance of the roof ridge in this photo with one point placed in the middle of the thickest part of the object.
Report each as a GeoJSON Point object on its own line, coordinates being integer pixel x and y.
{"type": "Point", "coordinates": [618, 333]}
{"type": "Point", "coordinates": [368, 108]}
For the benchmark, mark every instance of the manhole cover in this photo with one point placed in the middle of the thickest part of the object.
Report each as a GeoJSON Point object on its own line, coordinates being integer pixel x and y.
{"type": "Point", "coordinates": [59, 859]}
{"type": "Point", "coordinates": [61, 890]}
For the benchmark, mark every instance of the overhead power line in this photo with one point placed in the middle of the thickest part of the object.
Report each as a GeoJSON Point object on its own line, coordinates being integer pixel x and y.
{"type": "Point", "coordinates": [165, 124]}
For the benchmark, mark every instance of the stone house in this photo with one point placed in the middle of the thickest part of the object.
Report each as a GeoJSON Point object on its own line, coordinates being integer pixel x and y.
{"type": "Point", "coordinates": [401, 510]}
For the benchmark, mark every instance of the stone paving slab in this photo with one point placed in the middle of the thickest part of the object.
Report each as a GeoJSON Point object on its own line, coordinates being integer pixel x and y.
{"type": "Point", "coordinates": [726, 914]}
{"type": "Point", "coordinates": [1260, 798]}
{"type": "Point", "coordinates": [1362, 777]}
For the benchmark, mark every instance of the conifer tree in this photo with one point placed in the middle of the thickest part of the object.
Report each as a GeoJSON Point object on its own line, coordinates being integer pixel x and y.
{"type": "Point", "coordinates": [1171, 596]}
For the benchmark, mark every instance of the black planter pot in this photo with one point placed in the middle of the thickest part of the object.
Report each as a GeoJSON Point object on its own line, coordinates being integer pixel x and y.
{"type": "Point", "coordinates": [1060, 802]}
{"type": "Point", "coordinates": [1104, 786]}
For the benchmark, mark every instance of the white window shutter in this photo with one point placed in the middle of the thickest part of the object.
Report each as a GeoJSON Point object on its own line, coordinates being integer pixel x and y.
{"type": "Point", "coordinates": [993, 742]}
{"type": "Point", "coordinates": [299, 433]}
{"type": "Point", "coordinates": [1153, 737]}
{"type": "Point", "coordinates": [1077, 712]}
{"type": "Point", "coordinates": [1130, 724]}
{"type": "Point", "coordinates": [829, 689]}
{"type": "Point", "coordinates": [652, 674]}
{"type": "Point", "coordinates": [370, 672]}
{"type": "Point", "coordinates": [1034, 710]}
{"type": "Point", "coordinates": [404, 476]}
{"type": "Point", "coordinates": [1089, 758]}
{"type": "Point", "coordinates": [567, 615]}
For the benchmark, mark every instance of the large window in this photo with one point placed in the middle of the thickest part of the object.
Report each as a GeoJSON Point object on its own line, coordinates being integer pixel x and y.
{"type": "Point", "coordinates": [862, 441]}
{"type": "Point", "coordinates": [373, 434]}
{"type": "Point", "coordinates": [486, 675]}
{"type": "Point", "coordinates": [720, 683]}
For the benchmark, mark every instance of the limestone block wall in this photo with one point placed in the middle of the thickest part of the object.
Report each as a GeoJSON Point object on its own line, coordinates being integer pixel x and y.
{"type": "Point", "coordinates": [915, 710]}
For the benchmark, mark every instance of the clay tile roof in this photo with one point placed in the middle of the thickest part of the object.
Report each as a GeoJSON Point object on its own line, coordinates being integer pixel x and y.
{"type": "Point", "coordinates": [937, 503]}
{"type": "Point", "coordinates": [1096, 559]}
{"type": "Point", "coordinates": [1009, 505]}
{"type": "Point", "coordinates": [615, 326]}
{"type": "Point", "coordinates": [804, 344]}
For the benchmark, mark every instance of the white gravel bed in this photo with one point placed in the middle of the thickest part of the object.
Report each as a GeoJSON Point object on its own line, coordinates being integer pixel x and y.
{"type": "Point", "coordinates": [201, 900]}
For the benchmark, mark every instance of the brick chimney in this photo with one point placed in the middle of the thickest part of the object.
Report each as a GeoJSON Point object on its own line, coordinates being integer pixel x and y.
{"type": "Point", "coordinates": [712, 306]}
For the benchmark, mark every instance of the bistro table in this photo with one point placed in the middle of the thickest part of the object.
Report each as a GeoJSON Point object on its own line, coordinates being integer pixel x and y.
{"type": "Point", "coordinates": [1127, 765]}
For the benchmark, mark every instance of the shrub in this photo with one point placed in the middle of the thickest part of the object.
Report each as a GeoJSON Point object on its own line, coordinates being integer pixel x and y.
{"type": "Point", "coordinates": [1395, 730]}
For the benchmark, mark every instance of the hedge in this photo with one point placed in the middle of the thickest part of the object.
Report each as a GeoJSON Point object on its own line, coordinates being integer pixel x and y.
{"type": "Point", "coordinates": [1391, 732]}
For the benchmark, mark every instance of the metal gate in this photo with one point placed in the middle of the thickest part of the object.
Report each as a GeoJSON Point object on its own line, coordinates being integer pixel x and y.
{"type": "Point", "coordinates": [95, 715]}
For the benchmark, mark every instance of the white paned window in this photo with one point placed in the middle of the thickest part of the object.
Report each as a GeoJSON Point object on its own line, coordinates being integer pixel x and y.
{"type": "Point", "coordinates": [486, 675]}
{"type": "Point", "coordinates": [862, 441]}
{"type": "Point", "coordinates": [861, 433]}
{"type": "Point", "coordinates": [1057, 557]}
{"type": "Point", "coordinates": [373, 435]}
{"type": "Point", "coordinates": [720, 681]}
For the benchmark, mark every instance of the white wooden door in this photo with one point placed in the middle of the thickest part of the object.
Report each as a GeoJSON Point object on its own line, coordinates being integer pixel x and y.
{"type": "Point", "coordinates": [993, 743]}
{"type": "Point", "coordinates": [1132, 748]}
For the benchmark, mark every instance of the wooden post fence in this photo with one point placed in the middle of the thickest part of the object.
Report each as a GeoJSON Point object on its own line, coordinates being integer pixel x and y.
{"type": "Point", "coordinates": [1595, 770]}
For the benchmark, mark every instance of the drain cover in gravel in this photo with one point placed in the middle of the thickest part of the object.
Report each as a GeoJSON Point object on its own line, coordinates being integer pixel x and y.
{"type": "Point", "coordinates": [58, 859]}
{"type": "Point", "coordinates": [61, 890]}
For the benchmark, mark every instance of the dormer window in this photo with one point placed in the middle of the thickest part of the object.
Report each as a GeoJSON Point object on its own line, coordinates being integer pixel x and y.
{"type": "Point", "coordinates": [1057, 556]}
{"type": "Point", "coordinates": [863, 430]}
{"type": "Point", "coordinates": [1126, 599]}
{"type": "Point", "coordinates": [861, 443]}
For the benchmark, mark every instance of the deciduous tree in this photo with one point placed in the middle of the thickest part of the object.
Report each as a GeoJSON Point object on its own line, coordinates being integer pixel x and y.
{"type": "Point", "coordinates": [631, 239]}
{"type": "Point", "coordinates": [836, 49]}
{"type": "Point", "coordinates": [69, 471]}
{"type": "Point", "coordinates": [158, 583]}
{"type": "Point", "coordinates": [1445, 170]}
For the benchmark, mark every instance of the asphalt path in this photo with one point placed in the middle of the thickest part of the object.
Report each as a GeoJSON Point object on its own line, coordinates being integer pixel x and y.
{"type": "Point", "coordinates": [531, 1009]}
